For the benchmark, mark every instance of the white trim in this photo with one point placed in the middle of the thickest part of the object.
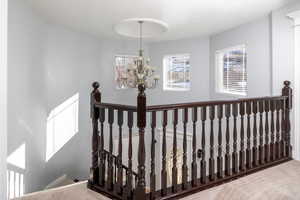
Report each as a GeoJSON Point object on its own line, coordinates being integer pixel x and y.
{"type": "Point", "coordinates": [3, 97]}
{"type": "Point", "coordinates": [52, 146]}
{"type": "Point", "coordinates": [177, 89]}
{"type": "Point", "coordinates": [231, 94]}
{"type": "Point", "coordinates": [295, 16]}
{"type": "Point", "coordinates": [231, 48]}
{"type": "Point", "coordinates": [296, 87]}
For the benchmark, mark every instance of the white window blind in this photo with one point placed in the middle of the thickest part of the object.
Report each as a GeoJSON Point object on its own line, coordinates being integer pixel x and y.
{"type": "Point", "coordinates": [232, 70]}
{"type": "Point", "coordinates": [177, 72]}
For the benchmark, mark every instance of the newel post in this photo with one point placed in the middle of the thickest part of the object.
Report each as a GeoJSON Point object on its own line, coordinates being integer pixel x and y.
{"type": "Point", "coordinates": [140, 192]}
{"type": "Point", "coordinates": [288, 92]}
{"type": "Point", "coordinates": [95, 97]}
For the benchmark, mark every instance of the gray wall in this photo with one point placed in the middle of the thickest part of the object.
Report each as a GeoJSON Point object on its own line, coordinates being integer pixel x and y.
{"type": "Point", "coordinates": [71, 63]}
{"type": "Point", "coordinates": [198, 49]}
{"type": "Point", "coordinates": [26, 100]}
{"type": "Point", "coordinates": [256, 37]}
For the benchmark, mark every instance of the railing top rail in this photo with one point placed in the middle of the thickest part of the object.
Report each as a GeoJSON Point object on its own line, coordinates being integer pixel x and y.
{"type": "Point", "coordinates": [116, 106]}
{"type": "Point", "coordinates": [209, 103]}
{"type": "Point", "coordinates": [184, 105]}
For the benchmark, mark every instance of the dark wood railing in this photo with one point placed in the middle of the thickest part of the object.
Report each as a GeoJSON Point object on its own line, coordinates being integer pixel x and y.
{"type": "Point", "coordinates": [229, 139]}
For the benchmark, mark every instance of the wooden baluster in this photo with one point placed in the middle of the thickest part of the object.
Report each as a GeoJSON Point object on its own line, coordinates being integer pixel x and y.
{"type": "Point", "coordinates": [140, 191]}
{"type": "Point", "coordinates": [129, 174]}
{"type": "Point", "coordinates": [212, 159]}
{"type": "Point", "coordinates": [119, 158]}
{"type": "Point", "coordinates": [105, 157]}
{"type": "Point", "coordinates": [277, 143]}
{"type": "Point", "coordinates": [282, 142]}
{"type": "Point", "coordinates": [95, 168]}
{"type": "Point", "coordinates": [234, 153]}
{"type": "Point", "coordinates": [126, 182]}
{"type": "Point", "coordinates": [184, 165]}
{"type": "Point", "coordinates": [95, 97]}
{"type": "Point", "coordinates": [125, 193]}
{"type": "Point", "coordinates": [153, 141]}
{"type": "Point", "coordinates": [164, 152]}
{"type": "Point", "coordinates": [267, 145]}
{"type": "Point", "coordinates": [254, 148]}
{"type": "Point", "coordinates": [220, 156]}
{"type": "Point", "coordinates": [272, 107]}
{"type": "Point", "coordinates": [248, 150]}
{"type": "Point", "coordinates": [115, 171]}
{"type": "Point", "coordinates": [261, 133]}
{"type": "Point", "coordinates": [194, 163]}
{"type": "Point", "coordinates": [136, 181]}
{"type": "Point", "coordinates": [110, 167]}
{"type": "Point", "coordinates": [174, 169]}
{"type": "Point", "coordinates": [203, 160]}
{"type": "Point", "coordinates": [288, 92]}
{"type": "Point", "coordinates": [242, 150]}
{"type": "Point", "coordinates": [227, 155]}
{"type": "Point", "coordinates": [101, 153]}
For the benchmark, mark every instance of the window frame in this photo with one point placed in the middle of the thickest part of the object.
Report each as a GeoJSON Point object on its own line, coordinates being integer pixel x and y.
{"type": "Point", "coordinates": [165, 74]}
{"type": "Point", "coordinates": [219, 85]}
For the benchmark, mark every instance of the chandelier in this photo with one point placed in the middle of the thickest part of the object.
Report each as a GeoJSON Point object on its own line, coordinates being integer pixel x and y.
{"type": "Point", "coordinates": [139, 72]}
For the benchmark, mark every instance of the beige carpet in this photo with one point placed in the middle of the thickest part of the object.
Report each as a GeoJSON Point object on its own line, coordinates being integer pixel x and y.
{"type": "Point", "coordinates": [281, 182]}
{"type": "Point", "coordinates": [77, 191]}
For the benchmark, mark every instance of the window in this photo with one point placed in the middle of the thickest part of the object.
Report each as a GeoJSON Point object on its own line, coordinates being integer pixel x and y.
{"type": "Point", "coordinates": [122, 62]}
{"type": "Point", "coordinates": [62, 125]}
{"type": "Point", "coordinates": [177, 72]}
{"type": "Point", "coordinates": [231, 76]}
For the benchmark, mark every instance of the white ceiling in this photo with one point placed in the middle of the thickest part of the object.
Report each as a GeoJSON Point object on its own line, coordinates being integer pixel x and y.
{"type": "Point", "coordinates": [186, 18]}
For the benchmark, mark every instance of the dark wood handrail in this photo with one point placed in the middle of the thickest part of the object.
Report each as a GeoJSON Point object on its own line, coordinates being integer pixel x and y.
{"type": "Point", "coordinates": [209, 103]}
{"type": "Point", "coordinates": [116, 106]}
{"type": "Point", "coordinates": [123, 166]}
{"type": "Point", "coordinates": [185, 105]}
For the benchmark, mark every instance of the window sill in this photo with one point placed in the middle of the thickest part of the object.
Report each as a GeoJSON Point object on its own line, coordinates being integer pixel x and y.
{"type": "Point", "coordinates": [176, 90]}
{"type": "Point", "coordinates": [231, 94]}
